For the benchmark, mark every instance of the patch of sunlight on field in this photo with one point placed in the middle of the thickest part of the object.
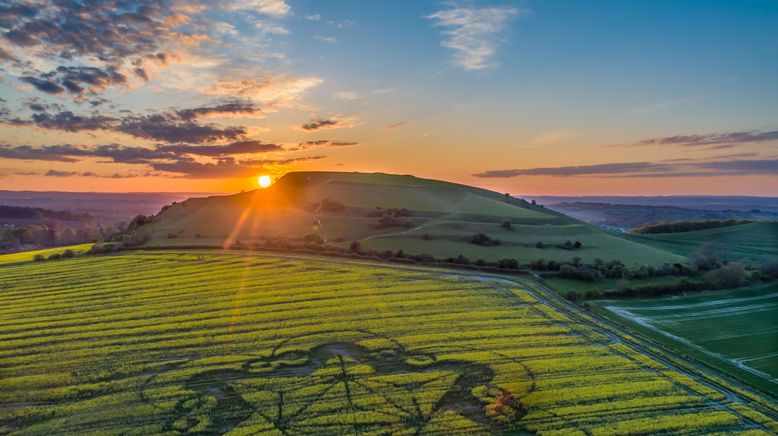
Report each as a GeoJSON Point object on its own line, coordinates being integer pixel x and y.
{"type": "Point", "coordinates": [27, 256]}
{"type": "Point", "coordinates": [738, 328]}
{"type": "Point", "coordinates": [216, 342]}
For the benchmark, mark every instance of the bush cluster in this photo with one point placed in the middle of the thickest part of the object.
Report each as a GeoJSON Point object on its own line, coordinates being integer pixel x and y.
{"type": "Point", "coordinates": [686, 226]}
{"type": "Point", "coordinates": [484, 240]}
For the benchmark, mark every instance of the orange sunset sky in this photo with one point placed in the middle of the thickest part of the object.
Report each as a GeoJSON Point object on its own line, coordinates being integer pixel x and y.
{"type": "Point", "coordinates": [525, 97]}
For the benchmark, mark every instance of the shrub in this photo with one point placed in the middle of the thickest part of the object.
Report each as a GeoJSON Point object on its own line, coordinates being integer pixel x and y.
{"type": "Point", "coordinates": [539, 245]}
{"type": "Point", "coordinates": [332, 206]}
{"type": "Point", "coordinates": [426, 237]}
{"type": "Point", "coordinates": [507, 224]}
{"type": "Point", "coordinates": [539, 265]}
{"type": "Point", "coordinates": [139, 220]}
{"type": "Point", "coordinates": [581, 272]}
{"type": "Point", "coordinates": [391, 221]}
{"type": "Point", "coordinates": [769, 269]}
{"type": "Point", "coordinates": [355, 246]}
{"type": "Point", "coordinates": [55, 256]}
{"type": "Point", "coordinates": [686, 226]}
{"type": "Point", "coordinates": [484, 240]}
{"type": "Point", "coordinates": [577, 245]}
{"type": "Point", "coordinates": [39, 257]}
{"type": "Point", "coordinates": [68, 253]}
{"type": "Point", "coordinates": [707, 257]}
{"type": "Point", "coordinates": [402, 212]}
{"type": "Point", "coordinates": [172, 235]}
{"type": "Point", "coordinates": [461, 260]}
{"type": "Point", "coordinates": [508, 263]}
{"type": "Point", "coordinates": [731, 275]}
{"type": "Point", "coordinates": [313, 238]}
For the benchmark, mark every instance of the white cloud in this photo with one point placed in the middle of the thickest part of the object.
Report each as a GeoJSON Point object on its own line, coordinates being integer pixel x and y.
{"type": "Point", "coordinates": [277, 8]}
{"type": "Point", "coordinates": [473, 33]}
{"type": "Point", "coordinates": [275, 29]}
{"type": "Point", "coordinates": [664, 104]}
{"type": "Point", "coordinates": [278, 90]}
{"type": "Point", "coordinates": [553, 137]}
{"type": "Point", "coordinates": [346, 95]}
{"type": "Point", "coordinates": [327, 39]}
{"type": "Point", "coordinates": [313, 17]}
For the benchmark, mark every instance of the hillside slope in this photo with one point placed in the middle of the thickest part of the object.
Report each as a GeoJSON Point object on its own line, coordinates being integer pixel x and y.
{"type": "Point", "coordinates": [440, 219]}
{"type": "Point", "coordinates": [748, 242]}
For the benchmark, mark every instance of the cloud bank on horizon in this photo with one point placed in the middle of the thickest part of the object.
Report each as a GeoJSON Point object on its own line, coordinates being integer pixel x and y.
{"type": "Point", "coordinates": [176, 90]}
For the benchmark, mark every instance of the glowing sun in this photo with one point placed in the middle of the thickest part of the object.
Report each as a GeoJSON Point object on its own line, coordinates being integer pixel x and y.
{"type": "Point", "coordinates": [264, 181]}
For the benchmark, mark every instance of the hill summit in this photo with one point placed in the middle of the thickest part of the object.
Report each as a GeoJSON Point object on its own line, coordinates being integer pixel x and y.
{"type": "Point", "coordinates": [392, 212]}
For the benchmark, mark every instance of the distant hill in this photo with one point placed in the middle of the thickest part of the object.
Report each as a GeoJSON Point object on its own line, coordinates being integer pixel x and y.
{"type": "Point", "coordinates": [628, 215]}
{"type": "Point", "coordinates": [21, 213]}
{"type": "Point", "coordinates": [753, 242]}
{"type": "Point", "coordinates": [107, 208]}
{"type": "Point", "coordinates": [392, 212]}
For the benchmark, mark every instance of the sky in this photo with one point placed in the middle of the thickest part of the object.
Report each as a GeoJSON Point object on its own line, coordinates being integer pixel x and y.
{"type": "Point", "coordinates": [532, 97]}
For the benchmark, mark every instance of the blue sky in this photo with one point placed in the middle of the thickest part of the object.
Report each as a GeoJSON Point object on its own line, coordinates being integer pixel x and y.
{"type": "Point", "coordinates": [466, 91]}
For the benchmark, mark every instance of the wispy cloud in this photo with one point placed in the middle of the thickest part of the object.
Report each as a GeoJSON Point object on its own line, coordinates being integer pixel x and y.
{"type": "Point", "coordinates": [57, 173]}
{"type": "Point", "coordinates": [664, 104]}
{"type": "Point", "coordinates": [395, 125]}
{"type": "Point", "coordinates": [551, 137]}
{"type": "Point", "coordinates": [133, 155]}
{"type": "Point", "coordinates": [473, 33]}
{"type": "Point", "coordinates": [346, 95]}
{"type": "Point", "coordinates": [326, 39]}
{"type": "Point", "coordinates": [277, 90]}
{"type": "Point", "coordinates": [677, 168]}
{"type": "Point", "coordinates": [723, 139]}
{"type": "Point", "coordinates": [278, 8]}
{"type": "Point", "coordinates": [173, 125]}
{"type": "Point", "coordinates": [327, 124]}
{"type": "Point", "coordinates": [88, 47]}
{"type": "Point", "coordinates": [224, 168]}
{"type": "Point", "coordinates": [305, 145]}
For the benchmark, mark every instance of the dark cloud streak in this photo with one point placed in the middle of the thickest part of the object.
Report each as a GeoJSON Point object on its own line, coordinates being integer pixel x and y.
{"type": "Point", "coordinates": [723, 140]}
{"type": "Point", "coordinates": [729, 167]}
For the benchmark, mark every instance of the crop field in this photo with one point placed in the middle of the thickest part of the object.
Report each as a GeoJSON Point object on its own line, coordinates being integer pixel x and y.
{"type": "Point", "coordinates": [172, 342]}
{"type": "Point", "coordinates": [736, 331]}
{"type": "Point", "coordinates": [752, 243]}
{"type": "Point", "coordinates": [27, 256]}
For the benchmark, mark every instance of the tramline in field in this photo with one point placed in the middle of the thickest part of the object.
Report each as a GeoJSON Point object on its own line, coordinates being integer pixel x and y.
{"type": "Point", "coordinates": [210, 341]}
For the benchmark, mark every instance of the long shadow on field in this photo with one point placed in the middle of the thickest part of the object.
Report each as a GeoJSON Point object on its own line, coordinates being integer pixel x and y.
{"type": "Point", "coordinates": [339, 387]}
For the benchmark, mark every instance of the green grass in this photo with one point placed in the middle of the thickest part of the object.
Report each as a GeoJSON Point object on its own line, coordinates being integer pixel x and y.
{"type": "Point", "coordinates": [27, 256]}
{"type": "Point", "coordinates": [451, 213]}
{"type": "Point", "coordinates": [211, 341]}
{"type": "Point", "coordinates": [735, 331]}
{"type": "Point", "coordinates": [747, 242]}
{"type": "Point", "coordinates": [562, 286]}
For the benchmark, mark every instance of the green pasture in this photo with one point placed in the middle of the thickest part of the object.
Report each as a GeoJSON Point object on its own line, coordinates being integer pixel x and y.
{"type": "Point", "coordinates": [752, 243]}
{"type": "Point", "coordinates": [736, 331]}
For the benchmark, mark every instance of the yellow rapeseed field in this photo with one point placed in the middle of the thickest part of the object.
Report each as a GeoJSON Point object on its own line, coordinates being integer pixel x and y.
{"type": "Point", "coordinates": [241, 343]}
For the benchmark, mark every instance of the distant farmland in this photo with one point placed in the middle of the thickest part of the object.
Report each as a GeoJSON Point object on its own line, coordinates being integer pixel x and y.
{"type": "Point", "coordinates": [736, 331]}
{"type": "Point", "coordinates": [210, 341]}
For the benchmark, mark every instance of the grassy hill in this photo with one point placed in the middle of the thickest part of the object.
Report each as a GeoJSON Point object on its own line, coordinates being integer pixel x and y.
{"type": "Point", "coordinates": [214, 342]}
{"type": "Point", "coordinates": [748, 242]}
{"type": "Point", "coordinates": [341, 208]}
